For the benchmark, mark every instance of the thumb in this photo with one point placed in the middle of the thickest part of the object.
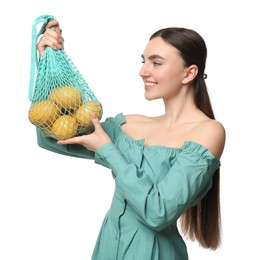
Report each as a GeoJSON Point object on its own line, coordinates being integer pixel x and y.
{"type": "Point", "coordinates": [95, 121]}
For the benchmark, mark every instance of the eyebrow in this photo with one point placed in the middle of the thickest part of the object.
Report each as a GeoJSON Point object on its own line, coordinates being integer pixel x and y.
{"type": "Point", "coordinates": [154, 56]}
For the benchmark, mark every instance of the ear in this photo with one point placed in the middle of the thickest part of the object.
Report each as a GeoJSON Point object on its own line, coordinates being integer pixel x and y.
{"type": "Point", "coordinates": [190, 74]}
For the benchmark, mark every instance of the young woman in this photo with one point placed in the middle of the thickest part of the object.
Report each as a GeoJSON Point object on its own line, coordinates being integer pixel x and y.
{"type": "Point", "coordinates": [166, 167]}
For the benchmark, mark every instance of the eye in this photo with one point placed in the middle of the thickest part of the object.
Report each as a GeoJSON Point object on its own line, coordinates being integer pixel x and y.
{"type": "Point", "coordinates": [155, 63]}
{"type": "Point", "coordinates": [143, 61]}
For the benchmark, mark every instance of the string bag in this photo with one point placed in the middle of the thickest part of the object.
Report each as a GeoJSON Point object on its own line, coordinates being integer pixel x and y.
{"type": "Point", "coordinates": [61, 101]}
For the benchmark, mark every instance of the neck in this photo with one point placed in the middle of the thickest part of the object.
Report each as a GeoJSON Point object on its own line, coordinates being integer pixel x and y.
{"type": "Point", "coordinates": [181, 108]}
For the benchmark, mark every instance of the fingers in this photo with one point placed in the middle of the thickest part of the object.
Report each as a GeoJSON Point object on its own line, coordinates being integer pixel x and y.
{"type": "Point", "coordinates": [95, 121]}
{"type": "Point", "coordinates": [74, 140]}
{"type": "Point", "coordinates": [52, 38]}
{"type": "Point", "coordinates": [81, 139]}
{"type": "Point", "coordinates": [92, 141]}
{"type": "Point", "coordinates": [53, 23]}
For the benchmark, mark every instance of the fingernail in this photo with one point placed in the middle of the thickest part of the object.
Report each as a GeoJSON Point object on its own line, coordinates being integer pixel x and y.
{"type": "Point", "coordinates": [94, 116]}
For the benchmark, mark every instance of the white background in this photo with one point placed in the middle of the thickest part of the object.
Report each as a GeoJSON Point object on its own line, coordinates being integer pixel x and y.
{"type": "Point", "coordinates": [52, 206]}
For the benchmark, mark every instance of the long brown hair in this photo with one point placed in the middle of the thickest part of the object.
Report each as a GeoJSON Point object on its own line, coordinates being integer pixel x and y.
{"type": "Point", "coordinates": [203, 221]}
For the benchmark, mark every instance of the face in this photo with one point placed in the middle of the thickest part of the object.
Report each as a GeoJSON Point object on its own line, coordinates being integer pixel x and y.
{"type": "Point", "coordinates": [162, 71]}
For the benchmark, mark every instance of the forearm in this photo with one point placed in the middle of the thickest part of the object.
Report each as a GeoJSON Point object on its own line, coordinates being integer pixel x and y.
{"type": "Point", "coordinates": [161, 203]}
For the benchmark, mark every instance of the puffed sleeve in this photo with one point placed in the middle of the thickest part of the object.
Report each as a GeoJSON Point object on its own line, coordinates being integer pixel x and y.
{"type": "Point", "coordinates": [162, 203]}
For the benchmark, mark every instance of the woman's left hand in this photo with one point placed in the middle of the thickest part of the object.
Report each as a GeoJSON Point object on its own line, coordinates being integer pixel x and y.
{"type": "Point", "coordinates": [92, 141]}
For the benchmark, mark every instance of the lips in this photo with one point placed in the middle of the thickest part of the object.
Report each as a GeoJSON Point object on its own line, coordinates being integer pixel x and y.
{"type": "Point", "coordinates": [149, 85]}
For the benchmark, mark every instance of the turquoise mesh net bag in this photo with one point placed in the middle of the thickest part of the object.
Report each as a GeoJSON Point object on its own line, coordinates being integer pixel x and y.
{"type": "Point", "coordinates": [61, 101]}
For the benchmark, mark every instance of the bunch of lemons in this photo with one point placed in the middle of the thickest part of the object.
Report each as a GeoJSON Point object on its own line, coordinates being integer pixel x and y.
{"type": "Point", "coordinates": [63, 114]}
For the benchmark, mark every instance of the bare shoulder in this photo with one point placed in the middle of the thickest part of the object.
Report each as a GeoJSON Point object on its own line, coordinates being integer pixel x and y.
{"type": "Point", "coordinates": [207, 132]}
{"type": "Point", "coordinates": [134, 118]}
{"type": "Point", "coordinates": [212, 135]}
{"type": "Point", "coordinates": [133, 123]}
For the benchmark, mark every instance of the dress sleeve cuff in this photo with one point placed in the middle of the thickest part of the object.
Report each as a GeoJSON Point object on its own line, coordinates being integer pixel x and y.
{"type": "Point", "coordinates": [108, 155]}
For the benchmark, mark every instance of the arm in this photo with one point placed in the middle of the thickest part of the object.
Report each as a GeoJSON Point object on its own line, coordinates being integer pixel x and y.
{"type": "Point", "coordinates": [160, 204]}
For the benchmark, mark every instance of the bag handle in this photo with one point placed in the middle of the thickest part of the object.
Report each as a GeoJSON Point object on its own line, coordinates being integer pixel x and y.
{"type": "Point", "coordinates": [34, 53]}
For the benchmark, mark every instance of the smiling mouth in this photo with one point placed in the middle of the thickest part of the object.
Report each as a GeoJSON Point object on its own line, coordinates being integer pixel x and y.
{"type": "Point", "coordinates": [150, 84]}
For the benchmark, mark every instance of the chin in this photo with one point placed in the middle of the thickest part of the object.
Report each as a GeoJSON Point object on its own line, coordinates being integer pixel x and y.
{"type": "Point", "coordinates": [150, 98]}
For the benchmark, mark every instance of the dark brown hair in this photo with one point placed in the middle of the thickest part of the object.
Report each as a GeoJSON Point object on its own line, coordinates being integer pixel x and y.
{"type": "Point", "coordinates": [201, 222]}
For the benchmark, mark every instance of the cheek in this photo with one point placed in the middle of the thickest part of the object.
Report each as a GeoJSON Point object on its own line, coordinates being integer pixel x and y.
{"type": "Point", "coordinates": [171, 83]}
{"type": "Point", "coordinates": [172, 78]}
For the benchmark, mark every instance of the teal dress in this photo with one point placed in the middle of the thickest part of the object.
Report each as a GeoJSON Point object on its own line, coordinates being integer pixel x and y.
{"type": "Point", "coordinates": [154, 185]}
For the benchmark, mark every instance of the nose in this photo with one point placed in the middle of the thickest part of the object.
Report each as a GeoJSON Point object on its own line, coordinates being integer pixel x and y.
{"type": "Point", "coordinates": [144, 72]}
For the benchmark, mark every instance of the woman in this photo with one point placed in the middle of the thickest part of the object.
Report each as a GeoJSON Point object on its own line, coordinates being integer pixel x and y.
{"type": "Point", "coordinates": [165, 167]}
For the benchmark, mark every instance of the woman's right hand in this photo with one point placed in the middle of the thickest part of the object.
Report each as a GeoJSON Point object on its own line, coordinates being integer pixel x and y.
{"type": "Point", "coordinates": [51, 38]}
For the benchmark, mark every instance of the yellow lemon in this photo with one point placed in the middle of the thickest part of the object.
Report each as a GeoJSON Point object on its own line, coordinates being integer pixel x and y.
{"type": "Point", "coordinates": [84, 112]}
{"type": "Point", "coordinates": [43, 113]}
{"type": "Point", "coordinates": [64, 127]}
{"type": "Point", "coordinates": [66, 97]}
